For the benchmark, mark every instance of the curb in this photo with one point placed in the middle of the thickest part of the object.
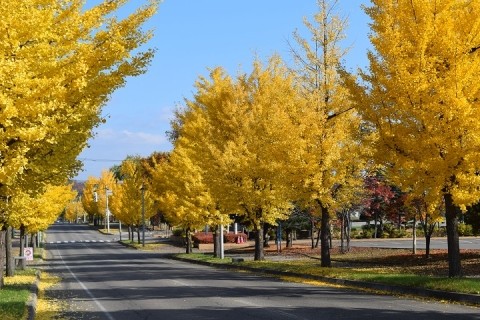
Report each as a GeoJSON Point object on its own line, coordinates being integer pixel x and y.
{"type": "Point", "coordinates": [32, 300]}
{"type": "Point", "coordinates": [471, 299]}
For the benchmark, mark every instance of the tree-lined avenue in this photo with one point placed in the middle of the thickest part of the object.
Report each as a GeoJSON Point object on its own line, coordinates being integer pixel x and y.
{"type": "Point", "coordinates": [108, 281]}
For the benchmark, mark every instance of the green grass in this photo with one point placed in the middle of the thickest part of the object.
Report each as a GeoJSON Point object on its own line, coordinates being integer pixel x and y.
{"type": "Point", "coordinates": [38, 253]}
{"type": "Point", "coordinates": [386, 275]}
{"type": "Point", "coordinates": [148, 246]}
{"type": "Point", "coordinates": [15, 294]}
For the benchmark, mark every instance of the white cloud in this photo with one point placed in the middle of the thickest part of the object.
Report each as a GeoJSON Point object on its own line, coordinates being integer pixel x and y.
{"type": "Point", "coordinates": [143, 137]}
{"type": "Point", "coordinates": [110, 147]}
{"type": "Point", "coordinates": [129, 137]}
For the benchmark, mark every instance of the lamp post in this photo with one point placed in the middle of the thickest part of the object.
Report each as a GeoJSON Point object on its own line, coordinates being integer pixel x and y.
{"type": "Point", "coordinates": [107, 211]}
{"type": "Point", "coordinates": [142, 188]}
{"type": "Point", "coordinates": [95, 199]}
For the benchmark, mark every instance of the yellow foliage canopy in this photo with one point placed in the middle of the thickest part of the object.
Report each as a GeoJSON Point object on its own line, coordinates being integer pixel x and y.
{"type": "Point", "coordinates": [38, 212]}
{"type": "Point", "coordinates": [127, 196]}
{"type": "Point", "coordinates": [244, 136]}
{"type": "Point", "coordinates": [182, 194]}
{"type": "Point", "coordinates": [423, 95]}
{"type": "Point", "coordinates": [58, 65]}
{"type": "Point", "coordinates": [88, 200]}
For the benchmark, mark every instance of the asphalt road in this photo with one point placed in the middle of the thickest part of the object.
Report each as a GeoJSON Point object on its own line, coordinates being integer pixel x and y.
{"type": "Point", "coordinates": [407, 243]}
{"type": "Point", "coordinates": [104, 280]}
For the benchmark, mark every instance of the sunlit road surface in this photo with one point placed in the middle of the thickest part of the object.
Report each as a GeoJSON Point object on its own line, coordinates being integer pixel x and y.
{"type": "Point", "coordinates": [104, 280]}
{"type": "Point", "coordinates": [407, 243]}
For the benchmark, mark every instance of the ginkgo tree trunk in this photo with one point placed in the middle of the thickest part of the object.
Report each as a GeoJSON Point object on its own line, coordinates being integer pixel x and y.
{"type": "Point", "coordinates": [421, 96]}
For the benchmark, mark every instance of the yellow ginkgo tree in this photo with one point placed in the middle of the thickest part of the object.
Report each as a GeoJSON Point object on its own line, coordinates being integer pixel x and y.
{"type": "Point", "coordinates": [331, 156]}
{"type": "Point", "coordinates": [244, 135]}
{"type": "Point", "coordinates": [131, 200]}
{"type": "Point", "coordinates": [74, 211]}
{"type": "Point", "coordinates": [32, 214]}
{"type": "Point", "coordinates": [89, 199]}
{"type": "Point", "coordinates": [60, 62]}
{"type": "Point", "coordinates": [182, 194]}
{"type": "Point", "coordinates": [421, 95]}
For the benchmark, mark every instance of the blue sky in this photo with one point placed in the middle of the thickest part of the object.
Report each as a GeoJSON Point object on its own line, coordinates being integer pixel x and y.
{"type": "Point", "coordinates": [190, 37]}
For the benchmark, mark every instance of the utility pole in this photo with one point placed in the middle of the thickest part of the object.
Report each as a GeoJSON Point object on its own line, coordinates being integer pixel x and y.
{"type": "Point", "coordinates": [107, 211]}
{"type": "Point", "coordinates": [142, 188]}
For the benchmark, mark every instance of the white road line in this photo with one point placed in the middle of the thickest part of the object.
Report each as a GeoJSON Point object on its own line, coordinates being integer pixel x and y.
{"type": "Point", "coordinates": [81, 241]}
{"type": "Point", "coordinates": [100, 306]}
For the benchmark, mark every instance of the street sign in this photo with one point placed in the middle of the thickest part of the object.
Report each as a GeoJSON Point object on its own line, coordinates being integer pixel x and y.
{"type": "Point", "coordinates": [28, 253]}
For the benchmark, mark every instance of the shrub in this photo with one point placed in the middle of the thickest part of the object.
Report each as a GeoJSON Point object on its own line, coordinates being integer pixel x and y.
{"type": "Point", "coordinates": [355, 234]}
{"type": "Point", "coordinates": [178, 232]}
{"type": "Point", "coordinates": [465, 229]}
{"type": "Point", "coordinates": [440, 232]}
{"type": "Point", "coordinates": [398, 233]}
{"type": "Point", "coordinates": [367, 231]}
{"type": "Point", "coordinates": [207, 237]}
{"type": "Point", "coordinates": [202, 237]}
{"type": "Point", "coordinates": [232, 237]}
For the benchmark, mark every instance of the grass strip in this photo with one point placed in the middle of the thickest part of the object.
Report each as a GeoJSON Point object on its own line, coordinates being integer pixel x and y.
{"type": "Point", "coordinates": [147, 247]}
{"type": "Point", "coordinates": [388, 275]}
{"type": "Point", "coordinates": [15, 293]}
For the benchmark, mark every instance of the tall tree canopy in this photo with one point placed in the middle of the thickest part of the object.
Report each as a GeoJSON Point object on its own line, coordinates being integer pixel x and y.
{"type": "Point", "coordinates": [59, 63]}
{"type": "Point", "coordinates": [330, 155]}
{"type": "Point", "coordinates": [421, 95]}
{"type": "Point", "coordinates": [37, 213]}
{"type": "Point", "coordinates": [244, 134]}
{"type": "Point", "coordinates": [182, 194]}
{"type": "Point", "coordinates": [131, 201]}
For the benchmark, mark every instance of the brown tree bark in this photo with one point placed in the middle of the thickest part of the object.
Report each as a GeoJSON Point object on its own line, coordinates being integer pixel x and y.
{"type": "Point", "coordinates": [259, 250]}
{"type": "Point", "coordinates": [9, 261]}
{"type": "Point", "coordinates": [451, 216]}
{"type": "Point", "coordinates": [289, 236]}
{"type": "Point", "coordinates": [2, 255]}
{"type": "Point", "coordinates": [216, 243]}
{"type": "Point", "coordinates": [324, 237]}
{"type": "Point", "coordinates": [23, 262]}
{"type": "Point", "coordinates": [188, 235]}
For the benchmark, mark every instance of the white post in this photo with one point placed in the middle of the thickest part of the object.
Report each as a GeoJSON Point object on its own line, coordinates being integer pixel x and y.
{"type": "Point", "coordinates": [143, 214]}
{"type": "Point", "coordinates": [414, 235]}
{"type": "Point", "coordinates": [222, 253]}
{"type": "Point", "coordinates": [235, 228]}
{"type": "Point", "coordinates": [107, 212]}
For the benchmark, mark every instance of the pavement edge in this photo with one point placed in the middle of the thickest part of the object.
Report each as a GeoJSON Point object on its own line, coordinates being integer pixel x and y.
{"type": "Point", "coordinates": [32, 300]}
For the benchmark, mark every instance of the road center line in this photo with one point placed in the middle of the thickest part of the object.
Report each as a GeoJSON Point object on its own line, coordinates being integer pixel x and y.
{"type": "Point", "coordinates": [99, 305]}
